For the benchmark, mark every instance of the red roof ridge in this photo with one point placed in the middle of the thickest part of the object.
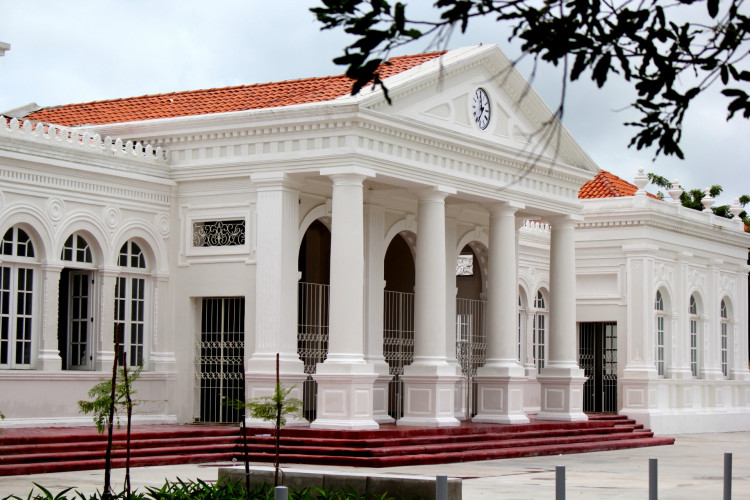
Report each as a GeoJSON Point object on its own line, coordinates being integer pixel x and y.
{"type": "Point", "coordinates": [218, 99]}
{"type": "Point", "coordinates": [608, 185]}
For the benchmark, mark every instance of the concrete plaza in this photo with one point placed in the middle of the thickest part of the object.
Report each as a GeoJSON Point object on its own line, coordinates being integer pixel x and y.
{"type": "Point", "coordinates": [690, 469]}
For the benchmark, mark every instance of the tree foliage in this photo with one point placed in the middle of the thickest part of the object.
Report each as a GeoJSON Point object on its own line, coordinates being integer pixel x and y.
{"type": "Point", "coordinates": [692, 198]}
{"type": "Point", "coordinates": [270, 408]}
{"type": "Point", "coordinates": [670, 51]}
{"type": "Point", "coordinates": [100, 398]}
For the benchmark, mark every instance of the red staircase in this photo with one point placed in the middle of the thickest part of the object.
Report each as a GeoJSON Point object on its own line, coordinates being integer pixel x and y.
{"type": "Point", "coordinates": [30, 451]}
{"type": "Point", "coordinates": [395, 446]}
{"type": "Point", "coordinates": [34, 451]}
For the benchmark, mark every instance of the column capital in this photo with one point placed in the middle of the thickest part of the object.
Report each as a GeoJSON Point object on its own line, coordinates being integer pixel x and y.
{"type": "Point", "coordinates": [347, 175]}
{"type": "Point", "coordinates": [435, 193]}
{"type": "Point", "coordinates": [53, 267]}
{"type": "Point", "coordinates": [266, 181]}
{"type": "Point", "coordinates": [564, 220]}
{"type": "Point", "coordinates": [503, 207]}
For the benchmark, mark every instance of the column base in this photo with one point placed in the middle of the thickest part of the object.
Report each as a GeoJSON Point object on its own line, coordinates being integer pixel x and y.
{"type": "Point", "coordinates": [429, 396]}
{"type": "Point", "coordinates": [345, 397]}
{"type": "Point", "coordinates": [380, 400]}
{"type": "Point", "coordinates": [259, 384]}
{"type": "Point", "coordinates": [562, 394]}
{"type": "Point", "coordinates": [50, 361]}
{"type": "Point", "coordinates": [163, 362]}
{"type": "Point", "coordinates": [500, 400]}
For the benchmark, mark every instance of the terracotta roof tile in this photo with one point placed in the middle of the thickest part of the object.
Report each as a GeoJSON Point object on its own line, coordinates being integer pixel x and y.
{"type": "Point", "coordinates": [218, 100]}
{"type": "Point", "coordinates": [607, 185]}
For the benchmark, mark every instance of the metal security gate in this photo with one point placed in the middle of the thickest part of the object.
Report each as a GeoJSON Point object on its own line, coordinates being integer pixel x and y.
{"type": "Point", "coordinates": [220, 355]}
{"type": "Point", "coordinates": [471, 345]}
{"type": "Point", "coordinates": [398, 344]}
{"type": "Point", "coordinates": [597, 356]}
{"type": "Point", "coordinates": [312, 337]}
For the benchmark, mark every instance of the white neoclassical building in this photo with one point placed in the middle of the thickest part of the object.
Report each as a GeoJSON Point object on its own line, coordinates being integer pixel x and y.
{"type": "Point", "coordinates": [418, 263]}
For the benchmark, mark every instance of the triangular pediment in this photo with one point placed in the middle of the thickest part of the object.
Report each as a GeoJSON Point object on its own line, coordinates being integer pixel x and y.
{"type": "Point", "coordinates": [440, 94]}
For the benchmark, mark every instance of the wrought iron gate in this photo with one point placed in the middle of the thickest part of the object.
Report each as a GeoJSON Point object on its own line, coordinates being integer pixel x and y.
{"type": "Point", "coordinates": [220, 355]}
{"type": "Point", "coordinates": [312, 337]}
{"type": "Point", "coordinates": [471, 345]}
{"type": "Point", "coordinates": [398, 344]}
{"type": "Point", "coordinates": [597, 356]}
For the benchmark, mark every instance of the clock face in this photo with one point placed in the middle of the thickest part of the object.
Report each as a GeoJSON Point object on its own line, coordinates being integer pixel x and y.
{"type": "Point", "coordinates": [481, 108]}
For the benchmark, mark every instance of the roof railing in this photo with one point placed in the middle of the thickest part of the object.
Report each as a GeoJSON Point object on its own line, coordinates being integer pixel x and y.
{"type": "Point", "coordinates": [82, 139]}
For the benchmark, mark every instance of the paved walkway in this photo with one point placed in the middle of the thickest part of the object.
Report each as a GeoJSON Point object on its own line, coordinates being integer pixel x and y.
{"type": "Point", "coordinates": [690, 469]}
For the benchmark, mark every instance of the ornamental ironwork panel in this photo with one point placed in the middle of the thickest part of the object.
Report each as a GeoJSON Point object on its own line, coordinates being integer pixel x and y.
{"type": "Point", "coordinates": [220, 358]}
{"type": "Point", "coordinates": [471, 345]}
{"type": "Point", "coordinates": [398, 344]}
{"type": "Point", "coordinates": [219, 233]}
{"type": "Point", "coordinates": [312, 337]}
{"type": "Point", "coordinates": [597, 357]}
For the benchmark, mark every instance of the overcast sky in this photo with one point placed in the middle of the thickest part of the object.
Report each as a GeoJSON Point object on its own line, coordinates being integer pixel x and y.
{"type": "Point", "coordinates": [86, 50]}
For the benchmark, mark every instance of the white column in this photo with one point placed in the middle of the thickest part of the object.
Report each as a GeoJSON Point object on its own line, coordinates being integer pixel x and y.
{"type": "Point", "coordinates": [738, 339]}
{"type": "Point", "coordinates": [561, 379]}
{"type": "Point", "coordinates": [48, 358]}
{"type": "Point", "coordinates": [429, 382]}
{"type": "Point", "coordinates": [374, 216]}
{"type": "Point", "coordinates": [345, 380]}
{"type": "Point", "coordinates": [500, 393]}
{"type": "Point", "coordinates": [161, 355]}
{"type": "Point", "coordinates": [451, 256]}
{"type": "Point", "coordinates": [276, 276]}
{"type": "Point", "coordinates": [105, 350]}
{"type": "Point", "coordinates": [710, 369]}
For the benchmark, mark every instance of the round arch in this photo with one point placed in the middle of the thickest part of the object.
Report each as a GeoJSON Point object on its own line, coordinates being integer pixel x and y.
{"type": "Point", "coordinates": [33, 222]}
{"type": "Point", "coordinates": [321, 213]}
{"type": "Point", "coordinates": [407, 227]}
{"type": "Point", "coordinates": [87, 226]}
{"type": "Point", "coordinates": [151, 245]}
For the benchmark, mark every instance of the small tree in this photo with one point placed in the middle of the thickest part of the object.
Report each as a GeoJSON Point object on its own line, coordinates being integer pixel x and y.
{"type": "Point", "coordinates": [275, 408]}
{"type": "Point", "coordinates": [109, 397]}
{"type": "Point", "coordinates": [100, 399]}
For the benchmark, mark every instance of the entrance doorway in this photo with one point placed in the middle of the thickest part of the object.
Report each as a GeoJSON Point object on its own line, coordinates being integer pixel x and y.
{"type": "Point", "coordinates": [398, 317]}
{"type": "Point", "coordinates": [220, 358]}
{"type": "Point", "coordinates": [314, 265]}
{"type": "Point", "coordinates": [597, 356]}
{"type": "Point", "coordinates": [471, 339]}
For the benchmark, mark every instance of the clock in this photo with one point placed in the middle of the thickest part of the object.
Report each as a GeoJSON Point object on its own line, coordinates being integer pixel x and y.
{"type": "Point", "coordinates": [481, 108]}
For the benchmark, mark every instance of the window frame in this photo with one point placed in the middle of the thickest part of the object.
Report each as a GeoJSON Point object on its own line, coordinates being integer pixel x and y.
{"type": "Point", "coordinates": [132, 292]}
{"type": "Point", "coordinates": [694, 336]}
{"type": "Point", "coordinates": [660, 335]}
{"type": "Point", "coordinates": [724, 331]}
{"type": "Point", "coordinates": [539, 342]}
{"type": "Point", "coordinates": [16, 265]}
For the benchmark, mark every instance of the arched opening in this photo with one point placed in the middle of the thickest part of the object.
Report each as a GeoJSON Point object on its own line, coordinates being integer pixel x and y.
{"type": "Point", "coordinates": [661, 334]}
{"type": "Point", "coordinates": [725, 322]}
{"type": "Point", "coordinates": [539, 341]}
{"type": "Point", "coordinates": [314, 266]}
{"type": "Point", "coordinates": [75, 321]}
{"type": "Point", "coordinates": [471, 339]}
{"type": "Point", "coordinates": [398, 316]}
{"type": "Point", "coordinates": [695, 311]}
{"type": "Point", "coordinates": [17, 284]}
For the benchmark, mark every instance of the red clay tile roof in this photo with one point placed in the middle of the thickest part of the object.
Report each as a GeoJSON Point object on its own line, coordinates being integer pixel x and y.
{"type": "Point", "coordinates": [607, 185]}
{"type": "Point", "coordinates": [221, 100]}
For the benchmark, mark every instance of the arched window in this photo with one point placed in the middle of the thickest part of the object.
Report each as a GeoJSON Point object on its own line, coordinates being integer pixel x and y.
{"type": "Point", "coordinates": [16, 299]}
{"type": "Point", "coordinates": [694, 336]}
{"type": "Point", "coordinates": [130, 302]}
{"type": "Point", "coordinates": [661, 367]}
{"type": "Point", "coordinates": [76, 249]}
{"type": "Point", "coordinates": [540, 329]}
{"type": "Point", "coordinates": [724, 314]}
{"type": "Point", "coordinates": [520, 324]}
